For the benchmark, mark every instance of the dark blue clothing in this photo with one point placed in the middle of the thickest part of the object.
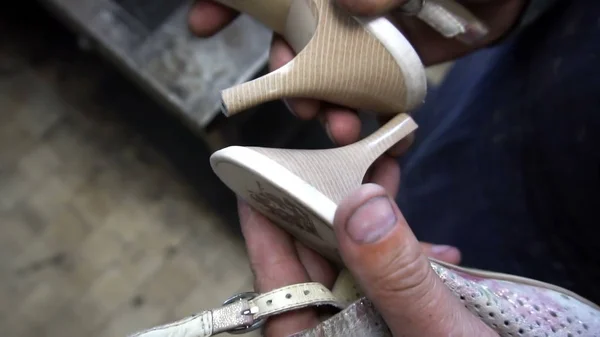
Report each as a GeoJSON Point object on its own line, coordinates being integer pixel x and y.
{"type": "Point", "coordinates": [506, 163]}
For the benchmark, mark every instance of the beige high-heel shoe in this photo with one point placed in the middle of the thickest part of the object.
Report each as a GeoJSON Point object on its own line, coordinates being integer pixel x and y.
{"type": "Point", "coordinates": [300, 189]}
{"type": "Point", "coordinates": [363, 63]}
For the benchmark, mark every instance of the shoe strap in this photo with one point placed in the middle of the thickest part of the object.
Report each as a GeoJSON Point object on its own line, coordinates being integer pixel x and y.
{"type": "Point", "coordinates": [248, 311]}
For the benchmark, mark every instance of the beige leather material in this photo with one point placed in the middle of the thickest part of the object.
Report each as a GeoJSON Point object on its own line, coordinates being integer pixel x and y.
{"type": "Point", "coordinates": [452, 20]}
{"type": "Point", "coordinates": [345, 288]}
{"type": "Point", "coordinates": [294, 297]}
{"type": "Point", "coordinates": [204, 324]}
{"type": "Point", "coordinates": [243, 313]}
{"type": "Point", "coordinates": [441, 19]}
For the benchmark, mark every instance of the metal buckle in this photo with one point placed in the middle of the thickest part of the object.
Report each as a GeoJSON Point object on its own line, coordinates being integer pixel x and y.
{"type": "Point", "coordinates": [257, 323]}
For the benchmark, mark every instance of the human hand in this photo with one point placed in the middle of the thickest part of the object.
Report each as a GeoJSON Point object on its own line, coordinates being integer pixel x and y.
{"type": "Point", "coordinates": [381, 252]}
{"type": "Point", "coordinates": [393, 271]}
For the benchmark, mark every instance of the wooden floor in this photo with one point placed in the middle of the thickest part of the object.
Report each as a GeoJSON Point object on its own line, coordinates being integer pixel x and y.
{"type": "Point", "coordinates": [100, 233]}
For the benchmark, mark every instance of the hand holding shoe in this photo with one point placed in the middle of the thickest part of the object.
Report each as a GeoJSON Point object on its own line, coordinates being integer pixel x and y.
{"type": "Point", "coordinates": [380, 251]}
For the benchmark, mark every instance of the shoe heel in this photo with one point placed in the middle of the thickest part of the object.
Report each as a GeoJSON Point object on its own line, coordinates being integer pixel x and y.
{"type": "Point", "coordinates": [362, 64]}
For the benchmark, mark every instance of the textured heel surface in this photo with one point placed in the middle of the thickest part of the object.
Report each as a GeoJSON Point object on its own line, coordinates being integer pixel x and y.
{"type": "Point", "coordinates": [344, 63]}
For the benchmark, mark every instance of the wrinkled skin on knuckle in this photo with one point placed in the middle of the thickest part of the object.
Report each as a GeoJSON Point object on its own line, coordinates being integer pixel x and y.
{"type": "Point", "coordinates": [400, 274]}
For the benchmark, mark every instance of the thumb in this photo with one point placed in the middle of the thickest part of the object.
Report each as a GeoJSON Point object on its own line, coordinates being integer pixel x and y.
{"type": "Point", "coordinates": [387, 261]}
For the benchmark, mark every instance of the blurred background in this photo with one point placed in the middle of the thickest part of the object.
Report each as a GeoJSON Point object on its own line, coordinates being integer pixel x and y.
{"type": "Point", "coordinates": [111, 219]}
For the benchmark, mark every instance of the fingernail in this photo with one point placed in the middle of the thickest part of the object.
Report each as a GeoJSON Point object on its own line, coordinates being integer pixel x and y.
{"type": "Point", "coordinates": [287, 105]}
{"type": "Point", "coordinates": [441, 249]}
{"type": "Point", "coordinates": [400, 148]}
{"type": "Point", "coordinates": [325, 123]}
{"type": "Point", "coordinates": [328, 131]}
{"type": "Point", "coordinates": [372, 220]}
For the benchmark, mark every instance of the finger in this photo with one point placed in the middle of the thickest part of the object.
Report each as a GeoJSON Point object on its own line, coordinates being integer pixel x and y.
{"type": "Point", "coordinates": [386, 259]}
{"type": "Point", "coordinates": [385, 172]}
{"type": "Point", "coordinates": [318, 268]}
{"type": "Point", "coordinates": [370, 7]}
{"type": "Point", "coordinates": [402, 146]}
{"type": "Point", "coordinates": [275, 264]}
{"type": "Point", "coordinates": [444, 253]}
{"type": "Point", "coordinates": [342, 125]}
{"type": "Point", "coordinates": [281, 54]}
{"type": "Point", "coordinates": [303, 108]}
{"type": "Point", "coordinates": [431, 46]}
{"type": "Point", "coordinates": [207, 17]}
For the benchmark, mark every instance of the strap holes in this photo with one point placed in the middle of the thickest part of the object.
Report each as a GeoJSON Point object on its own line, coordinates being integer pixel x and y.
{"type": "Point", "coordinates": [269, 302]}
{"type": "Point", "coordinates": [288, 296]}
{"type": "Point", "coordinates": [306, 292]}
